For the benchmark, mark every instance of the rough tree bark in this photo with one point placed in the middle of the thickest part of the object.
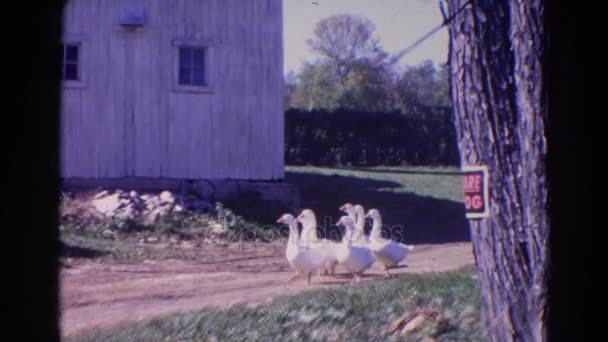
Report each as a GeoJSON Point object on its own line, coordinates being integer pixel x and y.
{"type": "Point", "coordinates": [497, 54]}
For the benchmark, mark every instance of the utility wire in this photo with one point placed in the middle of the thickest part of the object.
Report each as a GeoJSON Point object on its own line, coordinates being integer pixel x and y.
{"type": "Point", "coordinates": [445, 22]}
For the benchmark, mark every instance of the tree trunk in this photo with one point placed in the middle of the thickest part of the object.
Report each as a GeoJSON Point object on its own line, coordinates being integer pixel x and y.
{"type": "Point", "coordinates": [497, 51]}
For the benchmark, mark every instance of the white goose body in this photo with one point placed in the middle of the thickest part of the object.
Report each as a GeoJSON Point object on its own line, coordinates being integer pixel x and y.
{"type": "Point", "coordinates": [355, 259]}
{"type": "Point", "coordinates": [388, 252]}
{"type": "Point", "coordinates": [301, 259]}
{"type": "Point", "coordinates": [325, 247]}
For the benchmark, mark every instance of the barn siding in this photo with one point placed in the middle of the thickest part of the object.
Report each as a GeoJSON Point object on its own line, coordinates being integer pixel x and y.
{"type": "Point", "coordinates": [128, 121]}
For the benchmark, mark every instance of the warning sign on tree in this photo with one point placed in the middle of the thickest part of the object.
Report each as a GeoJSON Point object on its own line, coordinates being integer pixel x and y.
{"type": "Point", "coordinates": [476, 191]}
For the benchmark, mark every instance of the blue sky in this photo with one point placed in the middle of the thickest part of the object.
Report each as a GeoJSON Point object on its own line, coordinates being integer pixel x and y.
{"type": "Point", "coordinates": [398, 24]}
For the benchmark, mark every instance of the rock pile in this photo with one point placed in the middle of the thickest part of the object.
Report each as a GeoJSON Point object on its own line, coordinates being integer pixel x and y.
{"type": "Point", "coordinates": [148, 207]}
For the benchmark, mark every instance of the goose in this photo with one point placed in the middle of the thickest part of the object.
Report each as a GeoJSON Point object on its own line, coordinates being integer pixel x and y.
{"type": "Point", "coordinates": [388, 252]}
{"type": "Point", "coordinates": [349, 209]}
{"type": "Point", "coordinates": [303, 260]}
{"type": "Point", "coordinates": [309, 238]}
{"type": "Point", "coordinates": [357, 214]}
{"type": "Point", "coordinates": [355, 259]}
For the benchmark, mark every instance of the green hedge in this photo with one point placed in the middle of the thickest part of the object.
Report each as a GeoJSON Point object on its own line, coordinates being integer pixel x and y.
{"type": "Point", "coordinates": [349, 138]}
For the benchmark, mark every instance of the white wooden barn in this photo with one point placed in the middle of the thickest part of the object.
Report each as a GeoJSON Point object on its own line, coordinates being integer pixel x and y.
{"type": "Point", "coordinates": [172, 89]}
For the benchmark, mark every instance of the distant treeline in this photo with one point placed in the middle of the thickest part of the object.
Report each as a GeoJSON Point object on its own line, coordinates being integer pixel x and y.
{"type": "Point", "coordinates": [424, 136]}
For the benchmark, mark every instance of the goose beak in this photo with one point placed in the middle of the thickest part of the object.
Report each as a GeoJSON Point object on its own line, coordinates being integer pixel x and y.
{"type": "Point", "coordinates": [280, 220]}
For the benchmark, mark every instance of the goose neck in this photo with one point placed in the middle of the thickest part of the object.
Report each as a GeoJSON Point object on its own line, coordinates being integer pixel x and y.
{"type": "Point", "coordinates": [376, 228]}
{"type": "Point", "coordinates": [360, 223]}
{"type": "Point", "coordinates": [309, 230]}
{"type": "Point", "coordinates": [293, 233]}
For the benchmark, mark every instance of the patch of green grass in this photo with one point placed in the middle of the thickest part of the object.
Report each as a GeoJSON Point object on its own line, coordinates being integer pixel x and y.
{"type": "Point", "coordinates": [79, 246]}
{"type": "Point", "coordinates": [437, 182]}
{"type": "Point", "coordinates": [425, 204]}
{"type": "Point", "coordinates": [361, 313]}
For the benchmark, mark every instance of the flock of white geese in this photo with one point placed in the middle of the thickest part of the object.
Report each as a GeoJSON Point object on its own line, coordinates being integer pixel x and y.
{"type": "Point", "coordinates": [306, 253]}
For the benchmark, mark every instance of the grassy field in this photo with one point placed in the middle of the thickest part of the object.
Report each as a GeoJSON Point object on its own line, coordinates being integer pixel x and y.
{"type": "Point", "coordinates": [423, 204]}
{"type": "Point", "coordinates": [361, 313]}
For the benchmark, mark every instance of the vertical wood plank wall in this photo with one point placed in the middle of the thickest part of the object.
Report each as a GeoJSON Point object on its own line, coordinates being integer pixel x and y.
{"type": "Point", "coordinates": [126, 119]}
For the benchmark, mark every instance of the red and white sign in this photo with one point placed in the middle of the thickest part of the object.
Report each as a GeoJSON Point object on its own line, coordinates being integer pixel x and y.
{"type": "Point", "coordinates": [476, 191]}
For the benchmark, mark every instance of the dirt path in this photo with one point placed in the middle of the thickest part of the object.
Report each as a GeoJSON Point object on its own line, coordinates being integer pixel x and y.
{"type": "Point", "coordinates": [101, 295]}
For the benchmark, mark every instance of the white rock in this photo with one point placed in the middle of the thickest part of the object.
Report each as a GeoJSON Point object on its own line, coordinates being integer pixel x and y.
{"type": "Point", "coordinates": [108, 234]}
{"type": "Point", "coordinates": [166, 197]}
{"type": "Point", "coordinates": [152, 202]}
{"type": "Point", "coordinates": [101, 194]}
{"type": "Point", "coordinates": [107, 205]}
{"type": "Point", "coordinates": [217, 228]}
{"type": "Point", "coordinates": [126, 213]}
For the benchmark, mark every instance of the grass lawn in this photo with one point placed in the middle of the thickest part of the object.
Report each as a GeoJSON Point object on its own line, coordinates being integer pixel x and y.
{"type": "Point", "coordinates": [360, 313]}
{"type": "Point", "coordinates": [427, 203]}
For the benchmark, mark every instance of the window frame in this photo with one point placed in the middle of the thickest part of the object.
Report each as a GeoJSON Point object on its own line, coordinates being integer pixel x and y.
{"type": "Point", "coordinates": [79, 41]}
{"type": "Point", "coordinates": [209, 75]}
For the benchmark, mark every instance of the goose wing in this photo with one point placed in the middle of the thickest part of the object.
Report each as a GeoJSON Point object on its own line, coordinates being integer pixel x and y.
{"type": "Point", "coordinates": [392, 250]}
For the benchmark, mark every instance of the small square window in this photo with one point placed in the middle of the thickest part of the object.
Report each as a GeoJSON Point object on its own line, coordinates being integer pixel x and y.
{"type": "Point", "coordinates": [192, 65]}
{"type": "Point", "coordinates": [69, 62]}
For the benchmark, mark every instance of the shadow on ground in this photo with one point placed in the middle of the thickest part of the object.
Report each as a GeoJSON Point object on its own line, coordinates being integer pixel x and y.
{"type": "Point", "coordinates": [71, 251]}
{"type": "Point", "coordinates": [412, 218]}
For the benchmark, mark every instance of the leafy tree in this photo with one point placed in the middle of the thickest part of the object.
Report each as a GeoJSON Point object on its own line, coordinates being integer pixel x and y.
{"type": "Point", "coordinates": [350, 71]}
{"type": "Point", "coordinates": [291, 86]}
{"type": "Point", "coordinates": [344, 40]}
{"type": "Point", "coordinates": [422, 85]}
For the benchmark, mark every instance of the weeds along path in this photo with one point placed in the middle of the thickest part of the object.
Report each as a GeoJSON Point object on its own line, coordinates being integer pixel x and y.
{"type": "Point", "coordinates": [102, 295]}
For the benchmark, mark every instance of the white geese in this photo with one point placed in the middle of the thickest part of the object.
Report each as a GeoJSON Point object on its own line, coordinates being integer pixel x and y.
{"type": "Point", "coordinates": [309, 238]}
{"type": "Point", "coordinates": [388, 252]}
{"type": "Point", "coordinates": [355, 259]}
{"type": "Point", "coordinates": [357, 214]}
{"type": "Point", "coordinates": [302, 259]}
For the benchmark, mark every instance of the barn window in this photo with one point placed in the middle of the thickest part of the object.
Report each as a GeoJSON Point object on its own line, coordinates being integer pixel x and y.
{"type": "Point", "coordinates": [70, 58]}
{"type": "Point", "coordinates": [192, 66]}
